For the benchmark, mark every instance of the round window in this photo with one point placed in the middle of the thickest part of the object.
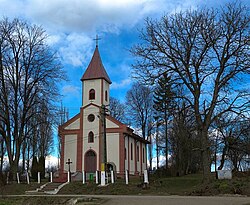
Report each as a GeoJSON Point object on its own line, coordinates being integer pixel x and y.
{"type": "Point", "coordinates": [91, 118]}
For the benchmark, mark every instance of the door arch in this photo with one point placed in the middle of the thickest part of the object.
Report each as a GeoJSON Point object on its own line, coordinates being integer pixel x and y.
{"type": "Point", "coordinates": [90, 161]}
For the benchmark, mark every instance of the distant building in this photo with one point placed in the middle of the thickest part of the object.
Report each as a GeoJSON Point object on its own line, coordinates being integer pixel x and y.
{"type": "Point", "coordinates": [82, 136]}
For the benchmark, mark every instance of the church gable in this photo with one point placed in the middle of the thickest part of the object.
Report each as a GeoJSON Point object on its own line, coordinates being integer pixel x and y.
{"type": "Point", "coordinates": [111, 123]}
{"type": "Point", "coordinates": [73, 123]}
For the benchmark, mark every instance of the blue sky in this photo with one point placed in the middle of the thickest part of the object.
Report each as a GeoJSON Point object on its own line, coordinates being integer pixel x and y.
{"type": "Point", "coordinates": [73, 24]}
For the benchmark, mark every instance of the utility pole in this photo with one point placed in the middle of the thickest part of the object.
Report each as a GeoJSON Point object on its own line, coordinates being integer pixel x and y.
{"type": "Point", "coordinates": [103, 119]}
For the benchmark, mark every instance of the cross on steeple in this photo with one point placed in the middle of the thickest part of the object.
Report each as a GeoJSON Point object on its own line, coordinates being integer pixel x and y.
{"type": "Point", "coordinates": [97, 39]}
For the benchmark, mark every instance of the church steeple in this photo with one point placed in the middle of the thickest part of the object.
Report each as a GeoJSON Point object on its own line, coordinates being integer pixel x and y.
{"type": "Point", "coordinates": [96, 69]}
{"type": "Point", "coordinates": [95, 82]}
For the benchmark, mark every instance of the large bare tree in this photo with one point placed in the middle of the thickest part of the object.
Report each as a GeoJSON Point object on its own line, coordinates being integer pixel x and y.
{"type": "Point", "coordinates": [139, 102]}
{"type": "Point", "coordinates": [206, 52]}
{"type": "Point", "coordinates": [29, 72]}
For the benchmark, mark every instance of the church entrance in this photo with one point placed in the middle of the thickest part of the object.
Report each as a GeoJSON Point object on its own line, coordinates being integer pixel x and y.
{"type": "Point", "coordinates": [90, 162]}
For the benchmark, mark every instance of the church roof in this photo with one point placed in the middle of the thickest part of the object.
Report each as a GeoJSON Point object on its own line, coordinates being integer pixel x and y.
{"type": "Point", "coordinates": [96, 69]}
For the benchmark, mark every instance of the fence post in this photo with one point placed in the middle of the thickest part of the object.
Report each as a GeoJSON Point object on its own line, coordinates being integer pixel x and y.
{"type": "Point", "coordinates": [97, 177]}
{"type": "Point", "coordinates": [83, 177]}
{"type": "Point", "coordinates": [28, 177]}
{"type": "Point", "coordinates": [68, 176]}
{"type": "Point", "coordinates": [146, 176]}
{"type": "Point", "coordinates": [126, 176]}
{"type": "Point", "coordinates": [38, 177]}
{"type": "Point", "coordinates": [112, 177]}
{"type": "Point", "coordinates": [103, 178]}
{"type": "Point", "coordinates": [51, 177]}
{"type": "Point", "coordinates": [18, 179]}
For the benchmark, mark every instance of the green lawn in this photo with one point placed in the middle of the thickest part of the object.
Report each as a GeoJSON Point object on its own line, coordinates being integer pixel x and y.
{"type": "Point", "coordinates": [185, 185]}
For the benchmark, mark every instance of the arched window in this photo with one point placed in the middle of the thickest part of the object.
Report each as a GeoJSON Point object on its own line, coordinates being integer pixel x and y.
{"type": "Point", "coordinates": [106, 95]}
{"type": "Point", "coordinates": [131, 151]}
{"type": "Point", "coordinates": [92, 94]}
{"type": "Point", "coordinates": [91, 137]}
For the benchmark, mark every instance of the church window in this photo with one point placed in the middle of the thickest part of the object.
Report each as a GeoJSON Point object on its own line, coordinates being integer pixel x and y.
{"type": "Point", "coordinates": [106, 95]}
{"type": "Point", "coordinates": [131, 151]}
{"type": "Point", "coordinates": [91, 118]}
{"type": "Point", "coordinates": [137, 153]}
{"type": "Point", "coordinates": [92, 94]}
{"type": "Point", "coordinates": [91, 137]}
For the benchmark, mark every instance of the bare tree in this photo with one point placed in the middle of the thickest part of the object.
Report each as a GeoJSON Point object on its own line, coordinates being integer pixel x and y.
{"type": "Point", "coordinates": [29, 72]}
{"type": "Point", "coordinates": [206, 52]}
{"type": "Point", "coordinates": [233, 140]}
{"type": "Point", "coordinates": [117, 109]}
{"type": "Point", "coordinates": [139, 106]}
{"type": "Point", "coordinates": [184, 141]}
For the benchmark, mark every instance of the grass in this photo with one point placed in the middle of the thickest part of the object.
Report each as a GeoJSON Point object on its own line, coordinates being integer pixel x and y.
{"type": "Point", "coordinates": [185, 185]}
{"type": "Point", "coordinates": [157, 186]}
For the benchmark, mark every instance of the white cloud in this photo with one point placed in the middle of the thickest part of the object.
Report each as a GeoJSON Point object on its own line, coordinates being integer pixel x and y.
{"type": "Point", "coordinates": [51, 161]}
{"type": "Point", "coordinates": [71, 90]}
{"type": "Point", "coordinates": [71, 23]}
{"type": "Point", "coordinates": [118, 85]}
{"type": "Point", "coordinates": [76, 49]}
{"type": "Point", "coordinates": [89, 15]}
{"type": "Point", "coordinates": [162, 161]}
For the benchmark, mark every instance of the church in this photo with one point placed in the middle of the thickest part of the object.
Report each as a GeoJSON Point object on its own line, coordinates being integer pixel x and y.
{"type": "Point", "coordinates": [93, 138]}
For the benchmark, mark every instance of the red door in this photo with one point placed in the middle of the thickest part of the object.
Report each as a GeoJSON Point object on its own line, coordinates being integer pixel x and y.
{"type": "Point", "coordinates": [90, 162]}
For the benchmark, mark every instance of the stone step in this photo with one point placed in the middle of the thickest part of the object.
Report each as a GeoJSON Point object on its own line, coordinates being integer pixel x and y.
{"type": "Point", "coordinates": [51, 188]}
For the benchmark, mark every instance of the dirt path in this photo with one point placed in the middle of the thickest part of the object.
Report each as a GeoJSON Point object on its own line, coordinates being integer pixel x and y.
{"type": "Point", "coordinates": [176, 200]}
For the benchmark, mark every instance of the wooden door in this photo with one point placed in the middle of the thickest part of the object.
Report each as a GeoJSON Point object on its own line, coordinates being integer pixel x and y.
{"type": "Point", "coordinates": [90, 162]}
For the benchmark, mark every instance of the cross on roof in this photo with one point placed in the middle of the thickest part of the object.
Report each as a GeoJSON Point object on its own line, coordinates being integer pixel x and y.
{"type": "Point", "coordinates": [97, 39]}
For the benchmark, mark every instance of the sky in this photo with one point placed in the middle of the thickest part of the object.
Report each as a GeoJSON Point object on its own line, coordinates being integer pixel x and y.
{"type": "Point", "coordinates": [73, 24]}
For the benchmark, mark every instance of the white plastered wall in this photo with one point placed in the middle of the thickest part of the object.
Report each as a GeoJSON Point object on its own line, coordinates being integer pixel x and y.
{"type": "Point", "coordinates": [74, 125]}
{"type": "Point", "coordinates": [110, 124]}
{"type": "Point", "coordinates": [87, 86]}
{"type": "Point", "coordinates": [105, 88]}
{"type": "Point", "coordinates": [91, 126]}
{"type": "Point", "coordinates": [139, 155]}
{"type": "Point", "coordinates": [113, 151]}
{"type": "Point", "coordinates": [70, 151]}
{"type": "Point", "coordinates": [132, 162]}
{"type": "Point", "coordinates": [126, 147]}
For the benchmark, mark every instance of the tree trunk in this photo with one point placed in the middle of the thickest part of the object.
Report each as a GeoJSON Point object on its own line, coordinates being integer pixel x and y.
{"type": "Point", "coordinates": [166, 137]}
{"type": "Point", "coordinates": [206, 161]}
{"type": "Point", "coordinates": [222, 161]}
{"type": "Point", "coordinates": [13, 169]}
{"type": "Point", "coordinates": [157, 145]}
{"type": "Point", "coordinates": [23, 154]}
{"type": "Point", "coordinates": [150, 152]}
